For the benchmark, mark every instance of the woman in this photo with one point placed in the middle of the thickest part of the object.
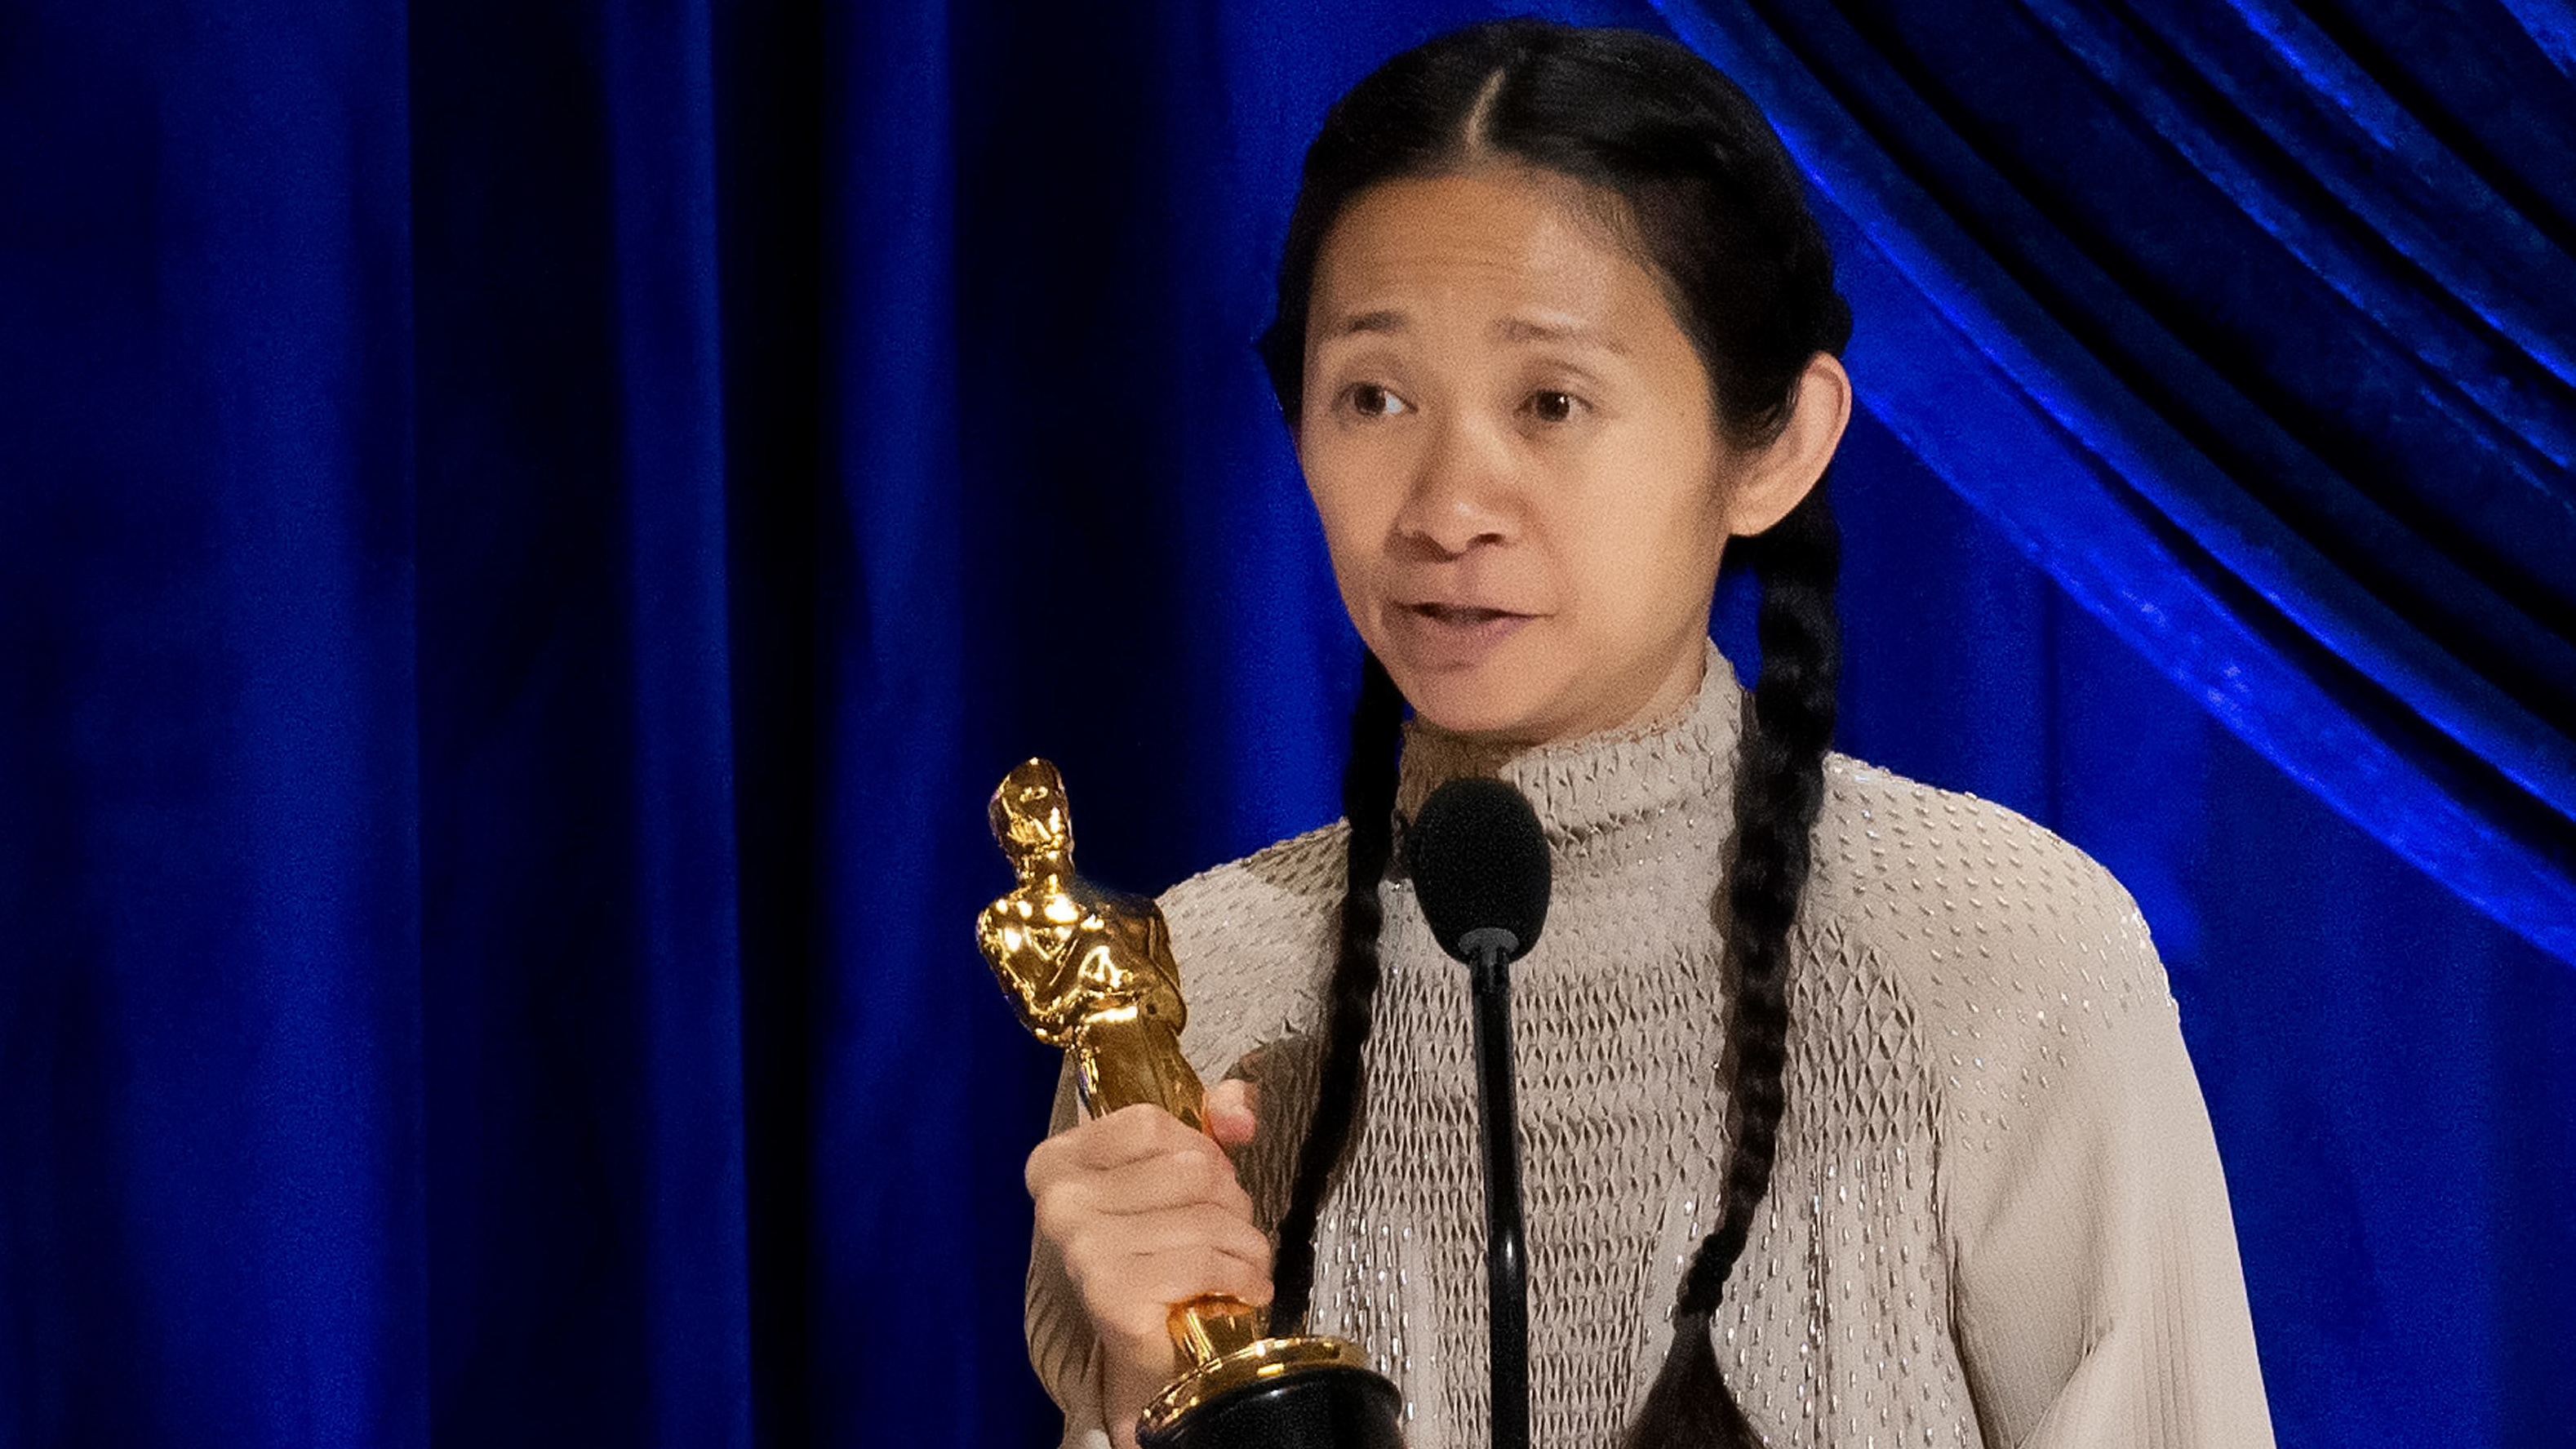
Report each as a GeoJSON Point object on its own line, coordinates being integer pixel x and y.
{"type": "Point", "coordinates": [1853, 1111]}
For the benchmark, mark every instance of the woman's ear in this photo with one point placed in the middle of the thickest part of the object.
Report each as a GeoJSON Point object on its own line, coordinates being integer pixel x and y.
{"type": "Point", "coordinates": [1773, 479]}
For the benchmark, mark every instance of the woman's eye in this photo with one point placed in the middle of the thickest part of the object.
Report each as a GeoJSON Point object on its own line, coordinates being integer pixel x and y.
{"type": "Point", "coordinates": [1372, 401]}
{"type": "Point", "coordinates": [1548, 405]}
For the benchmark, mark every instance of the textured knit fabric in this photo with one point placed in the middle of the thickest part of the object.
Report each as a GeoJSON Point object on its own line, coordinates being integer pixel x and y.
{"type": "Point", "coordinates": [1997, 1216]}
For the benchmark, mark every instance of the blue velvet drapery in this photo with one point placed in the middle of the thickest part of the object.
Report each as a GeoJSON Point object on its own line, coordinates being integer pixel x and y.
{"type": "Point", "coordinates": [527, 531]}
{"type": "Point", "coordinates": [2284, 365]}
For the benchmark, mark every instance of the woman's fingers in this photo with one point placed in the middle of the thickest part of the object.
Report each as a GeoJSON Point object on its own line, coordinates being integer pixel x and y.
{"type": "Point", "coordinates": [1232, 1107]}
{"type": "Point", "coordinates": [1156, 1185]}
{"type": "Point", "coordinates": [1145, 1212]}
{"type": "Point", "coordinates": [1109, 1144]}
{"type": "Point", "coordinates": [1119, 1216]}
{"type": "Point", "coordinates": [1136, 1161]}
{"type": "Point", "coordinates": [1131, 1284]}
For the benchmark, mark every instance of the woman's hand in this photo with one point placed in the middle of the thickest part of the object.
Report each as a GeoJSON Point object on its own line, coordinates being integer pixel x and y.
{"type": "Point", "coordinates": [1146, 1213]}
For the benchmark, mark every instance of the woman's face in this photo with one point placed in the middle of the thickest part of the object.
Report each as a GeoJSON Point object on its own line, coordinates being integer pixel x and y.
{"type": "Point", "coordinates": [1515, 455]}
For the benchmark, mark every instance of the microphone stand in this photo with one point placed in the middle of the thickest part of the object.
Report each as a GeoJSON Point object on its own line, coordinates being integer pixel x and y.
{"type": "Point", "coordinates": [1506, 1263]}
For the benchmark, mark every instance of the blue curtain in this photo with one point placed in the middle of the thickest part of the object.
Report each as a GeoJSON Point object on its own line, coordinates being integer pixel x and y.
{"type": "Point", "coordinates": [527, 532]}
{"type": "Point", "coordinates": [2273, 369]}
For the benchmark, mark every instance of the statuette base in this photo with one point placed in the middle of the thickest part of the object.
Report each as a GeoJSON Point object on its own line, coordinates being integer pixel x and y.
{"type": "Point", "coordinates": [1278, 1393]}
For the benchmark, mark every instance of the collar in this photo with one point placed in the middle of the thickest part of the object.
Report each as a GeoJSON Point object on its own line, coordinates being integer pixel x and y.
{"type": "Point", "coordinates": [1584, 786]}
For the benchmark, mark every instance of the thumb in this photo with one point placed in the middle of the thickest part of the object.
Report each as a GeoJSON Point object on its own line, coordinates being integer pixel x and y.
{"type": "Point", "coordinates": [1230, 1116]}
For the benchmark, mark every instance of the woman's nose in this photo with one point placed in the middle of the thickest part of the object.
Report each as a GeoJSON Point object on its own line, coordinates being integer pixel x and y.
{"type": "Point", "coordinates": [1461, 492]}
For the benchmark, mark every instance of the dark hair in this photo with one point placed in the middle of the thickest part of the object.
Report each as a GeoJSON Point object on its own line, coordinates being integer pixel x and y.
{"type": "Point", "coordinates": [1695, 180]}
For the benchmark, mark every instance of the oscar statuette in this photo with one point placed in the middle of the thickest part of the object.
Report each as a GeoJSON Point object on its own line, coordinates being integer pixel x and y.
{"type": "Point", "coordinates": [1093, 973]}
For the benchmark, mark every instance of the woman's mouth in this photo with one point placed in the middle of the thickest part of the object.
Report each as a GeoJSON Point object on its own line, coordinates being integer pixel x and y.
{"type": "Point", "coordinates": [1436, 635]}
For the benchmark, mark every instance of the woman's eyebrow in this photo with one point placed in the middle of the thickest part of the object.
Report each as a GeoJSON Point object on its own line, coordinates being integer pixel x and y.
{"type": "Point", "coordinates": [1385, 319]}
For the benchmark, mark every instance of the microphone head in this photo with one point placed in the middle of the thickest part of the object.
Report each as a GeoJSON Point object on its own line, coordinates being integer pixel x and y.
{"type": "Point", "coordinates": [1479, 864]}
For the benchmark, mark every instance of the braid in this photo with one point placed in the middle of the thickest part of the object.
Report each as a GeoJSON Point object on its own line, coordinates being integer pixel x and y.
{"type": "Point", "coordinates": [1780, 787]}
{"type": "Point", "coordinates": [1368, 802]}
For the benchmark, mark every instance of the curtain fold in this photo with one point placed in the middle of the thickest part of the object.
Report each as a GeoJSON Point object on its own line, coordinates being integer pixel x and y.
{"type": "Point", "coordinates": [906, 1326]}
{"type": "Point", "coordinates": [208, 798]}
{"type": "Point", "coordinates": [2320, 490]}
{"type": "Point", "coordinates": [2279, 74]}
{"type": "Point", "coordinates": [582, 979]}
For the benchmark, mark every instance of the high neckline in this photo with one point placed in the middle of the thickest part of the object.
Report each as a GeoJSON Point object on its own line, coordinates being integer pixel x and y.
{"type": "Point", "coordinates": [1582, 786]}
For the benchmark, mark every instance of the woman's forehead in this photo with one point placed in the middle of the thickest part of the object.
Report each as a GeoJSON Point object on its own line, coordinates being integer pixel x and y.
{"type": "Point", "coordinates": [1511, 254]}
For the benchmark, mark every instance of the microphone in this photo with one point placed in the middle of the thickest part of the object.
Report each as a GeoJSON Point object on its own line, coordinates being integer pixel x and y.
{"type": "Point", "coordinates": [1480, 869]}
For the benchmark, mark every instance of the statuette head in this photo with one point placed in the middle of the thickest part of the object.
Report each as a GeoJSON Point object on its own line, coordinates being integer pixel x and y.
{"type": "Point", "coordinates": [1029, 816]}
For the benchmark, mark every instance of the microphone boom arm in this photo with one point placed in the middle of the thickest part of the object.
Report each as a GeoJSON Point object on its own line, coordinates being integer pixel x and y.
{"type": "Point", "coordinates": [1506, 1259]}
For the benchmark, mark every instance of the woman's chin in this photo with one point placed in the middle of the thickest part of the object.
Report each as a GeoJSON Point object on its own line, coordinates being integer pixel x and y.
{"type": "Point", "coordinates": [1490, 710]}
{"type": "Point", "coordinates": [1515, 709]}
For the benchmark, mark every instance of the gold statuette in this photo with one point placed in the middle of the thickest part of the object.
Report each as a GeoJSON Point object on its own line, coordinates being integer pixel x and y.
{"type": "Point", "coordinates": [1093, 973]}
{"type": "Point", "coordinates": [1090, 972]}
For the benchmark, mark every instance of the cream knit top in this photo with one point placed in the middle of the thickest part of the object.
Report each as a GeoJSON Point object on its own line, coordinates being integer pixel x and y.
{"type": "Point", "coordinates": [1997, 1216]}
